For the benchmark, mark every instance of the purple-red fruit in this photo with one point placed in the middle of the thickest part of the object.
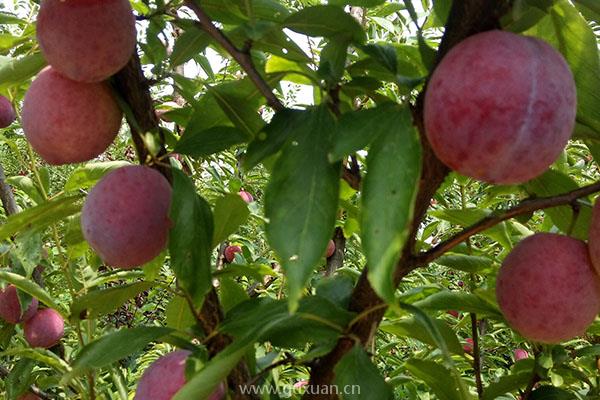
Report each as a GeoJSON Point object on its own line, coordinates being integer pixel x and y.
{"type": "Point", "coordinates": [594, 237]}
{"type": "Point", "coordinates": [500, 107]}
{"type": "Point", "coordinates": [44, 329]}
{"type": "Point", "coordinates": [29, 396]}
{"type": "Point", "coordinates": [547, 288]}
{"type": "Point", "coordinates": [67, 121]}
{"type": "Point", "coordinates": [86, 40]}
{"type": "Point", "coordinates": [330, 249]}
{"type": "Point", "coordinates": [7, 112]}
{"type": "Point", "coordinates": [520, 354]}
{"type": "Point", "coordinates": [125, 218]}
{"type": "Point", "coordinates": [246, 196]}
{"type": "Point", "coordinates": [10, 307]}
{"type": "Point", "coordinates": [230, 252]}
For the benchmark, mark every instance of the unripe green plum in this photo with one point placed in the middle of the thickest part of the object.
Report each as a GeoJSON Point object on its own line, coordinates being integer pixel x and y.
{"type": "Point", "coordinates": [7, 112]}
{"type": "Point", "coordinates": [44, 329]}
{"type": "Point", "coordinates": [67, 121]}
{"type": "Point", "coordinates": [547, 288]}
{"type": "Point", "coordinates": [125, 218]}
{"type": "Point", "coordinates": [10, 306]}
{"type": "Point", "coordinates": [86, 40]}
{"type": "Point", "coordinates": [500, 107]}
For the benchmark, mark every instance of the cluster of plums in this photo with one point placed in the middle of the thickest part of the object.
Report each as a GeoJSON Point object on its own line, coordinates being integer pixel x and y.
{"type": "Point", "coordinates": [42, 327]}
{"type": "Point", "coordinates": [501, 108]}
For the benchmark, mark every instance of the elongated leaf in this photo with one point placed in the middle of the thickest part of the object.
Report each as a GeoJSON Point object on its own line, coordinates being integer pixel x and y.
{"type": "Point", "coordinates": [210, 141]}
{"type": "Point", "coordinates": [241, 113]}
{"type": "Point", "coordinates": [113, 347]}
{"type": "Point", "coordinates": [506, 384]}
{"type": "Point", "coordinates": [447, 300]}
{"type": "Point", "coordinates": [464, 262]}
{"type": "Point", "coordinates": [553, 183]}
{"type": "Point", "coordinates": [359, 379]}
{"type": "Point", "coordinates": [41, 215]}
{"type": "Point", "coordinates": [274, 136]}
{"type": "Point", "coordinates": [104, 301]}
{"type": "Point", "coordinates": [31, 288]}
{"type": "Point", "coordinates": [179, 315]}
{"type": "Point", "coordinates": [414, 328]}
{"type": "Point", "coordinates": [551, 393]}
{"type": "Point", "coordinates": [230, 212]}
{"type": "Point", "coordinates": [389, 192]}
{"type": "Point", "coordinates": [569, 32]}
{"type": "Point", "coordinates": [190, 240]}
{"type": "Point", "coordinates": [436, 376]}
{"type": "Point", "coordinates": [317, 21]}
{"type": "Point", "coordinates": [358, 129]}
{"type": "Point", "coordinates": [87, 175]}
{"type": "Point", "coordinates": [191, 42]}
{"type": "Point", "coordinates": [15, 71]}
{"type": "Point", "coordinates": [301, 200]}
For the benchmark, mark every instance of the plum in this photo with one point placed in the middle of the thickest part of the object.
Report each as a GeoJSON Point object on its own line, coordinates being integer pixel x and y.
{"type": "Point", "coordinates": [86, 40]}
{"type": "Point", "coordinates": [125, 218]}
{"type": "Point", "coordinates": [230, 253]}
{"type": "Point", "coordinates": [500, 107]}
{"type": "Point", "coordinates": [67, 121]}
{"type": "Point", "coordinates": [547, 288]}
{"type": "Point", "coordinates": [330, 249]}
{"type": "Point", "coordinates": [44, 329]}
{"type": "Point", "coordinates": [10, 306]}
{"type": "Point", "coordinates": [7, 112]}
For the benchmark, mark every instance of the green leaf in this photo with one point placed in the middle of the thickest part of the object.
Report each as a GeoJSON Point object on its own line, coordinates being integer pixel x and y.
{"type": "Point", "coordinates": [86, 176]}
{"type": "Point", "coordinates": [190, 240]}
{"type": "Point", "coordinates": [551, 393]}
{"type": "Point", "coordinates": [15, 71]}
{"type": "Point", "coordinates": [317, 21]}
{"type": "Point", "coordinates": [333, 61]}
{"type": "Point", "coordinates": [415, 328]}
{"type": "Point", "coordinates": [565, 29]}
{"type": "Point", "coordinates": [356, 371]}
{"type": "Point", "coordinates": [301, 199]}
{"type": "Point", "coordinates": [436, 376]}
{"type": "Point", "coordinates": [357, 129]}
{"type": "Point", "coordinates": [31, 288]}
{"type": "Point", "coordinates": [467, 302]}
{"type": "Point", "coordinates": [41, 216]}
{"type": "Point", "coordinates": [506, 384]}
{"type": "Point", "coordinates": [191, 42]}
{"type": "Point", "coordinates": [230, 212]}
{"type": "Point", "coordinates": [553, 183]}
{"type": "Point", "coordinates": [273, 136]}
{"type": "Point", "coordinates": [242, 114]}
{"type": "Point", "coordinates": [209, 141]}
{"type": "Point", "coordinates": [114, 347]}
{"type": "Point", "coordinates": [389, 193]}
{"type": "Point", "coordinates": [178, 314]}
{"type": "Point", "coordinates": [100, 302]}
{"type": "Point", "coordinates": [464, 262]}
{"type": "Point", "coordinates": [27, 185]}
{"type": "Point", "coordinates": [215, 371]}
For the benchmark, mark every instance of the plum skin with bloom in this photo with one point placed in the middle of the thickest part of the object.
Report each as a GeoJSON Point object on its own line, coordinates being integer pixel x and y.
{"type": "Point", "coordinates": [163, 378]}
{"type": "Point", "coordinates": [44, 329]}
{"type": "Point", "coordinates": [69, 122]}
{"type": "Point", "coordinates": [547, 288]}
{"type": "Point", "coordinates": [10, 306]}
{"type": "Point", "coordinates": [86, 40]}
{"type": "Point", "coordinates": [125, 218]}
{"type": "Point", "coordinates": [500, 107]}
{"type": "Point", "coordinates": [7, 112]}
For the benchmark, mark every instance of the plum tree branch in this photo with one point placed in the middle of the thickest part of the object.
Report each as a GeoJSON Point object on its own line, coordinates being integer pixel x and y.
{"type": "Point", "coordinates": [525, 207]}
{"type": "Point", "coordinates": [243, 57]}
{"type": "Point", "coordinates": [466, 18]}
{"type": "Point", "coordinates": [6, 195]}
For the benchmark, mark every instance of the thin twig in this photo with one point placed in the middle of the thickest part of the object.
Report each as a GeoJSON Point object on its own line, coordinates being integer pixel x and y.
{"type": "Point", "coordinates": [243, 58]}
{"type": "Point", "coordinates": [525, 207]}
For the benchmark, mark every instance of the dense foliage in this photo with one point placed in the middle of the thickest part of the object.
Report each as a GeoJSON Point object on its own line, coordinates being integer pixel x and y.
{"type": "Point", "coordinates": [315, 110]}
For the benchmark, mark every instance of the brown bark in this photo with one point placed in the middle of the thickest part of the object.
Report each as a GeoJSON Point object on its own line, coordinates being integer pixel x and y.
{"type": "Point", "coordinates": [466, 18]}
